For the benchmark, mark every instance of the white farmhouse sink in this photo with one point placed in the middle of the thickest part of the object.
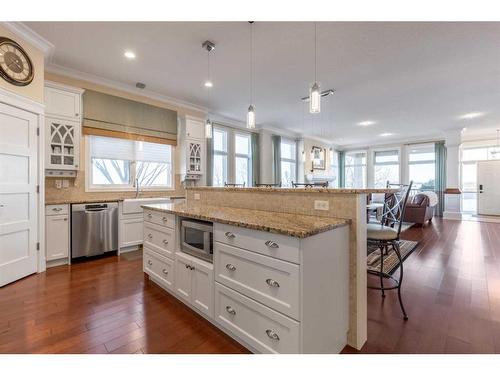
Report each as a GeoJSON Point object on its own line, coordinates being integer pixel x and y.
{"type": "Point", "coordinates": [133, 206]}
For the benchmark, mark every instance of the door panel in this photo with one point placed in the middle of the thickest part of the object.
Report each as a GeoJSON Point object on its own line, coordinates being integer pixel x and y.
{"type": "Point", "coordinates": [18, 200]}
{"type": "Point", "coordinates": [203, 287]}
{"type": "Point", "coordinates": [488, 180]}
{"type": "Point", "coordinates": [183, 277]}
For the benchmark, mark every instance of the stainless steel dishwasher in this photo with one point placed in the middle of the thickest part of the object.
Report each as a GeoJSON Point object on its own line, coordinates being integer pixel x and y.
{"type": "Point", "coordinates": [94, 229]}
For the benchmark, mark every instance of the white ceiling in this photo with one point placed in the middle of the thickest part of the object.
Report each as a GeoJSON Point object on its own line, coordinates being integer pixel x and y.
{"type": "Point", "coordinates": [413, 79]}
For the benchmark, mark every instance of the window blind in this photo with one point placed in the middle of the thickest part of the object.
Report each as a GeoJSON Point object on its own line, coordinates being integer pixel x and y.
{"type": "Point", "coordinates": [123, 149]}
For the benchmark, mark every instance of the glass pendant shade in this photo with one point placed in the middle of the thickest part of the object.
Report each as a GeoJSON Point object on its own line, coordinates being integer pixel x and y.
{"type": "Point", "coordinates": [208, 129]}
{"type": "Point", "coordinates": [303, 156]}
{"type": "Point", "coordinates": [251, 117]}
{"type": "Point", "coordinates": [315, 99]}
{"type": "Point", "coordinates": [331, 153]}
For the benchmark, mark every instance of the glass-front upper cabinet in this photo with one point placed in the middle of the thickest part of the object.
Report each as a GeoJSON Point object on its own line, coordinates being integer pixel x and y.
{"type": "Point", "coordinates": [63, 141]}
{"type": "Point", "coordinates": [195, 157]}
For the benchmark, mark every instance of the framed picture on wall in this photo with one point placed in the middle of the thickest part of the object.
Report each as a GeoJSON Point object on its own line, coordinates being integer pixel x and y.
{"type": "Point", "coordinates": [318, 158]}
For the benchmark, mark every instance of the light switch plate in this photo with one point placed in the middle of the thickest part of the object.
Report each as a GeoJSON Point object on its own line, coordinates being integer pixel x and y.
{"type": "Point", "coordinates": [196, 196]}
{"type": "Point", "coordinates": [65, 184]}
{"type": "Point", "coordinates": [321, 205]}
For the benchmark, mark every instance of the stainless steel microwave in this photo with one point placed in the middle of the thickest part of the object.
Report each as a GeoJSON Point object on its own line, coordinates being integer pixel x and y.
{"type": "Point", "coordinates": [197, 238]}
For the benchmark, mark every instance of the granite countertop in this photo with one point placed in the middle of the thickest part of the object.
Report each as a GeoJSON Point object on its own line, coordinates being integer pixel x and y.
{"type": "Point", "coordinates": [296, 190]}
{"type": "Point", "coordinates": [299, 226]}
{"type": "Point", "coordinates": [99, 200]}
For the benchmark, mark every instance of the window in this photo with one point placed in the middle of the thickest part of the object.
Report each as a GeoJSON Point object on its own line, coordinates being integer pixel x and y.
{"type": "Point", "coordinates": [115, 164]}
{"type": "Point", "coordinates": [288, 161]}
{"type": "Point", "coordinates": [355, 169]}
{"type": "Point", "coordinates": [220, 157]}
{"type": "Point", "coordinates": [334, 167]}
{"type": "Point", "coordinates": [421, 166]}
{"type": "Point", "coordinates": [243, 159]}
{"type": "Point", "coordinates": [232, 159]}
{"type": "Point", "coordinates": [386, 168]}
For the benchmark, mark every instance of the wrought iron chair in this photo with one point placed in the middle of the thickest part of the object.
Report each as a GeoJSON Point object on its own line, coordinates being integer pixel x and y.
{"type": "Point", "coordinates": [310, 185]}
{"type": "Point", "coordinates": [386, 234]}
{"type": "Point", "coordinates": [234, 185]}
{"type": "Point", "coordinates": [267, 185]}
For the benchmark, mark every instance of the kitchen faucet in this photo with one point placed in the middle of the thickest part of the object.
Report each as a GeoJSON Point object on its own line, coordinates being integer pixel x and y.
{"type": "Point", "coordinates": [137, 188]}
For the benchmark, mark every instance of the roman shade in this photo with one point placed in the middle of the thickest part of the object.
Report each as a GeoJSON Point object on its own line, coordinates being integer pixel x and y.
{"type": "Point", "coordinates": [112, 116]}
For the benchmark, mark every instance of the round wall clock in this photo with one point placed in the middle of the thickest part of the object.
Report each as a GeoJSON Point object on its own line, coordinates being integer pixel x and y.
{"type": "Point", "coordinates": [15, 64]}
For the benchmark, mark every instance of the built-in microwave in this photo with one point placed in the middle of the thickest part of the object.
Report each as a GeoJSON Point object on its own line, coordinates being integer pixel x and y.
{"type": "Point", "coordinates": [197, 238]}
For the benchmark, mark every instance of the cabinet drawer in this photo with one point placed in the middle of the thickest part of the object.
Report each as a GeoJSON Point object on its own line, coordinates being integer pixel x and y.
{"type": "Point", "coordinates": [56, 209]}
{"type": "Point", "coordinates": [160, 218]}
{"type": "Point", "coordinates": [159, 267]}
{"type": "Point", "coordinates": [273, 282]}
{"type": "Point", "coordinates": [274, 245]}
{"type": "Point", "coordinates": [263, 328]}
{"type": "Point", "coordinates": [159, 239]}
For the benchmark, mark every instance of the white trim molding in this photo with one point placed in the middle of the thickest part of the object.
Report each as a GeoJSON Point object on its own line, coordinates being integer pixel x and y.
{"type": "Point", "coordinates": [33, 38]}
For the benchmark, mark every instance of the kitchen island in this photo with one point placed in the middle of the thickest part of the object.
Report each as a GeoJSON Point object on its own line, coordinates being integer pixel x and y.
{"type": "Point", "coordinates": [279, 282]}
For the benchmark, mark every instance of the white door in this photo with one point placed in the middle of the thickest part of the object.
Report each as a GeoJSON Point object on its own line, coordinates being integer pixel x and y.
{"type": "Point", "coordinates": [488, 183]}
{"type": "Point", "coordinates": [57, 237]}
{"type": "Point", "coordinates": [18, 198]}
{"type": "Point", "coordinates": [183, 277]}
{"type": "Point", "coordinates": [202, 287]}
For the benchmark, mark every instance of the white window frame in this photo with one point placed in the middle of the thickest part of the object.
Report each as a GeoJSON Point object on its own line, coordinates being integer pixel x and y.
{"type": "Point", "coordinates": [231, 154]}
{"type": "Point", "coordinates": [288, 160]}
{"type": "Point", "coordinates": [366, 165]}
{"type": "Point", "coordinates": [90, 187]}
{"type": "Point", "coordinates": [373, 163]}
{"type": "Point", "coordinates": [408, 162]}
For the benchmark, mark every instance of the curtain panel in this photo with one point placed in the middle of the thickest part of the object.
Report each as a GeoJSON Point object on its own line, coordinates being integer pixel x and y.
{"type": "Point", "coordinates": [210, 158]}
{"type": "Point", "coordinates": [440, 178]}
{"type": "Point", "coordinates": [276, 140]}
{"type": "Point", "coordinates": [255, 159]}
{"type": "Point", "coordinates": [341, 156]}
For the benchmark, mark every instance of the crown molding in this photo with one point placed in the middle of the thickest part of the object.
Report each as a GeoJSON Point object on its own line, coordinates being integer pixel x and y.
{"type": "Point", "coordinates": [98, 80]}
{"type": "Point", "coordinates": [393, 142]}
{"type": "Point", "coordinates": [33, 38]}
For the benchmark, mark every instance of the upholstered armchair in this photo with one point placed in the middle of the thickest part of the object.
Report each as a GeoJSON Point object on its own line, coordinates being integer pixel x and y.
{"type": "Point", "coordinates": [419, 209]}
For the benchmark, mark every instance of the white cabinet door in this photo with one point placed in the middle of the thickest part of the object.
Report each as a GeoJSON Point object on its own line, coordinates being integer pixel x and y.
{"type": "Point", "coordinates": [57, 237]}
{"type": "Point", "coordinates": [131, 232]}
{"type": "Point", "coordinates": [203, 287]}
{"type": "Point", "coordinates": [62, 103]}
{"type": "Point", "coordinates": [195, 156]}
{"type": "Point", "coordinates": [183, 277]}
{"type": "Point", "coordinates": [62, 144]}
{"type": "Point", "coordinates": [195, 129]}
{"type": "Point", "coordinates": [18, 197]}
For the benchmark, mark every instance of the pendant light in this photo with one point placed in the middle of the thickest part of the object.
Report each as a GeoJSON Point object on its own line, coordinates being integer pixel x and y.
{"type": "Point", "coordinates": [315, 91]}
{"type": "Point", "coordinates": [251, 108]}
{"type": "Point", "coordinates": [209, 47]}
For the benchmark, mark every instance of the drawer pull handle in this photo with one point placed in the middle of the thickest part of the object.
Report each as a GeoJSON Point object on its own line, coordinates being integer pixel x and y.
{"type": "Point", "coordinates": [273, 283]}
{"type": "Point", "coordinates": [164, 218]}
{"type": "Point", "coordinates": [272, 335]}
{"type": "Point", "coordinates": [165, 271]}
{"type": "Point", "coordinates": [150, 236]}
{"type": "Point", "coordinates": [230, 267]}
{"type": "Point", "coordinates": [229, 235]}
{"type": "Point", "coordinates": [272, 244]}
{"type": "Point", "coordinates": [57, 209]}
{"type": "Point", "coordinates": [187, 265]}
{"type": "Point", "coordinates": [150, 263]}
{"type": "Point", "coordinates": [230, 310]}
{"type": "Point", "coordinates": [192, 268]}
{"type": "Point", "coordinates": [165, 242]}
{"type": "Point", "coordinates": [150, 216]}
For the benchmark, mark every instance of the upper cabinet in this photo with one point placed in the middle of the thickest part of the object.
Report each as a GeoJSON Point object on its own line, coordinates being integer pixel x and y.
{"type": "Point", "coordinates": [63, 115]}
{"type": "Point", "coordinates": [195, 128]}
{"type": "Point", "coordinates": [192, 148]}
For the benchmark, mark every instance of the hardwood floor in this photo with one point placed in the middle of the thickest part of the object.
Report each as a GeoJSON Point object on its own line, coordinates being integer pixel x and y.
{"type": "Point", "coordinates": [451, 291]}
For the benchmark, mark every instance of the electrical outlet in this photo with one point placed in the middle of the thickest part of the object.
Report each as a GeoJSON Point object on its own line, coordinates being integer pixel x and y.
{"type": "Point", "coordinates": [65, 184]}
{"type": "Point", "coordinates": [196, 196]}
{"type": "Point", "coordinates": [321, 205]}
{"type": "Point", "coordinates": [58, 184]}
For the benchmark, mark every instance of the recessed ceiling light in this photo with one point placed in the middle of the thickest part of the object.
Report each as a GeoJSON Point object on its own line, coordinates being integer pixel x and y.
{"type": "Point", "coordinates": [471, 115]}
{"type": "Point", "coordinates": [386, 134]}
{"type": "Point", "coordinates": [129, 55]}
{"type": "Point", "coordinates": [208, 84]}
{"type": "Point", "coordinates": [366, 123]}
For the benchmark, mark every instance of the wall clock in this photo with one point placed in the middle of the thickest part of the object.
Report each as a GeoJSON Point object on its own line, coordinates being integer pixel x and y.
{"type": "Point", "coordinates": [15, 65]}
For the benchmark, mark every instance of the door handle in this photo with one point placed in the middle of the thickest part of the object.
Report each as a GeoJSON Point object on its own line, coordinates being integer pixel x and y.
{"type": "Point", "coordinates": [480, 188]}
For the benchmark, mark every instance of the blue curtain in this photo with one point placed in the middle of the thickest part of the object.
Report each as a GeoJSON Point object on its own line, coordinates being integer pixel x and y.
{"type": "Point", "coordinates": [440, 179]}
{"type": "Point", "coordinates": [255, 159]}
{"type": "Point", "coordinates": [276, 139]}
{"type": "Point", "coordinates": [341, 155]}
